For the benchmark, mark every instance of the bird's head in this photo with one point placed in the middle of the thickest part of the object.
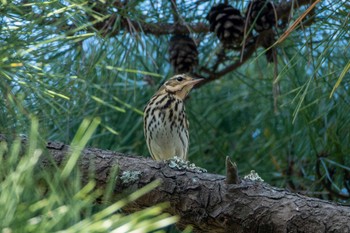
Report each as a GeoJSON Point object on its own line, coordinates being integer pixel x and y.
{"type": "Point", "coordinates": [180, 85]}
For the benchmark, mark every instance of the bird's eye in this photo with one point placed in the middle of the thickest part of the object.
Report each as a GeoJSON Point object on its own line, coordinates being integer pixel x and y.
{"type": "Point", "coordinates": [179, 79]}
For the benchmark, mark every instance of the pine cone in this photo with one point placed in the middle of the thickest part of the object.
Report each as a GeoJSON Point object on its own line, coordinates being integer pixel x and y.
{"type": "Point", "coordinates": [228, 24]}
{"type": "Point", "coordinates": [260, 13]}
{"type": "Point", "coordinates": [183, 54]}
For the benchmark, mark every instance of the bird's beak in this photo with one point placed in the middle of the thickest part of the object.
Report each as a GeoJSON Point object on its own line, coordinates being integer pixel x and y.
{"type": "Point", "coordinates": [194, 82]}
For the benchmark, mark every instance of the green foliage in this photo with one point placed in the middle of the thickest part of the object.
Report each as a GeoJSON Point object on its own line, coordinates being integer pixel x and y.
{"type": "Point", "coordinates": [55, 64]}
{"type": "Point", "coordinates": [36, 200]}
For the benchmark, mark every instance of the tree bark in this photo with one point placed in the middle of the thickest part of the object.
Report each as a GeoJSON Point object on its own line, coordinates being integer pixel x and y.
{"type": "Point", "coordinates": [205, 200]}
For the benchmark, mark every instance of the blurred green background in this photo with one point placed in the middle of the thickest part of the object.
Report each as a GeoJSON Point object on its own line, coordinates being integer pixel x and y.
{"type": "Point", "coordinates": [57, 65]}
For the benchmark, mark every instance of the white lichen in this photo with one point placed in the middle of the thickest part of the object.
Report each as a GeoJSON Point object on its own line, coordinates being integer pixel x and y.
{"type": "Point", "coordinates": [254, 176]}
{"type": "Point", "coordinates": [128, 177]}
{"type": "Point", "coordinates": [180, 164]}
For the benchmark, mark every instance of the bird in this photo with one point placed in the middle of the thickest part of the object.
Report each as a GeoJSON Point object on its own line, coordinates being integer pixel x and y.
{"type": "Point", "coordinates": [165, 122]}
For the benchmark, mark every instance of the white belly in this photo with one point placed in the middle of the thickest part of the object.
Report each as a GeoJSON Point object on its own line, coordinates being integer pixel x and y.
{"type": "Point", "coordinates": [169, 142]}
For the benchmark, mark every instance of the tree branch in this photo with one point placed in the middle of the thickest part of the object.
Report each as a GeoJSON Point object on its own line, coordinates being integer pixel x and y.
{"type": "Point", "coordinates": [206, 201]}
{"type": "Point", "coordinates": [159, 29]}
{"type": "Point", "coordinates": [283, 11]}
{"type": "Point", "coordinates": [229, 68]}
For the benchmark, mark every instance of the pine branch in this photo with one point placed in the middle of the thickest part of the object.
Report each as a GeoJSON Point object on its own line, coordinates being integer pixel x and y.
{"type": "Point", "coordinates": [159, 29]}
{"type": "Point", "coordinates": [106, 25]}
{"type": "Point", "coordinates": [283, 11]}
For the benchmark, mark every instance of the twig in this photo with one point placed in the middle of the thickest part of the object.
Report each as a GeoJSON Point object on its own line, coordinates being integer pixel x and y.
{"type": "Point", "coordinates": [327, 182]}
{"type": "Point", "coordinates": [231, 172]}
{"type": "Point", "coordinates": [229, 68]}
{"type": "Point", "coordinates": [159, 29]}
{"type": "Point", "coordinates": [175, 11]}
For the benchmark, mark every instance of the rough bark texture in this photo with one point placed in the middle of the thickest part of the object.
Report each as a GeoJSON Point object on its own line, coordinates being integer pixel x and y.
{"type": "Point", "coordinates": [206, 202]}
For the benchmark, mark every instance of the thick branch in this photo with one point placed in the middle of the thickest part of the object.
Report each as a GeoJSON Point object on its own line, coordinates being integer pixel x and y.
{"type": "Point", "coordinates": [207, 202]}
